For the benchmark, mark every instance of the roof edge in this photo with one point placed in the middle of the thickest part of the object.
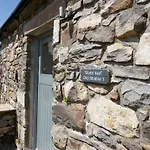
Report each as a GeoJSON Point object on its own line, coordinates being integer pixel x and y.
{"type": "Point", "coordinates": [22, 4]}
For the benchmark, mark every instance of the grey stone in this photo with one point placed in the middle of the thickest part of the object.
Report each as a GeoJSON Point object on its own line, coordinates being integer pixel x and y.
{"type": "Point", "coordinates": [109, 20]}
{"type": "Point", "coordinates": [143, 113]}
{"type": "Point", "coordinates": [59, 136]}
{"type": "Point", "coordinates": [71, 116]}
{"type": "Point", "coordinates": [85, 53]}
{"type": "Point", "coordinates": [85, 2]}
{"type": "Point", "coordinates": [113, 6]}
{"type": "Point", "coordinates": [145, 130]}
{"type": "Point", "coordinates": [105, 113]}
{"type": "Point", "coordinates": [103, 135]}
{"type": "Point", "coordinates": [102, 35]}
{"type": "Point", "coordinates": [131, 72]}
{"type": "Point", "coordinates": [119, 53]}
{"type": "Point", "coordinates": [77, 6]}
{"type": "Point", "coordinates": [135, 94]}
{"type": "Point", "coordinates": [142, 56]}
{"type": "Point", "coordinates": [131, 144]}
{"type": "Point", "coordinates": [89, 22]}
{"type": "Point", "coordinates": [75, 92]}
{"type": "Point", "coordinates": [130, 23]}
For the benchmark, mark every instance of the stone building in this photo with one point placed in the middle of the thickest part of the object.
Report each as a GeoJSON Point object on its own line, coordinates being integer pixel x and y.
{"type": "Point", "coordinates": [94, 56]}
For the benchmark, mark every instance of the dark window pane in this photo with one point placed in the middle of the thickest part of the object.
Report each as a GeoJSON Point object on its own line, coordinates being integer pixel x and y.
{"type": "Point", "coordinates": [46, 58]}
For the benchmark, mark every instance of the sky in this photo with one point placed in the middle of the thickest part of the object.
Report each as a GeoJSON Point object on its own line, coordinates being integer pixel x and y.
{"type": "Point", "coordinates": [6, 8]}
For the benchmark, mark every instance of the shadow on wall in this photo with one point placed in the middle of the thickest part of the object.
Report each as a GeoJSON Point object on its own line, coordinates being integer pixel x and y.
{"type": "Point", "coordinates": [7, 143]}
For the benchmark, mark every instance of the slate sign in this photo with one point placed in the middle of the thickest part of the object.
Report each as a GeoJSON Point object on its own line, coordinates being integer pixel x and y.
{"type": "Point", "coordinates": [100, 76]}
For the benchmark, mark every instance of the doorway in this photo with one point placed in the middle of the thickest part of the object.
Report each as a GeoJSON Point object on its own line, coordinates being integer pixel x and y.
{"type": "Point", "coordinates": [45, 95]}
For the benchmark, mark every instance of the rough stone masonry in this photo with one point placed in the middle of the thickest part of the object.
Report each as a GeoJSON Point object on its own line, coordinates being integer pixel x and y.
{"type": "Point", "coordinates": [102, 34]}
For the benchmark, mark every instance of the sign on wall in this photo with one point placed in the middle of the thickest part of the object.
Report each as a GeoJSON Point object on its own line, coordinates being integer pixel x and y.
{"type": "Point", "coordinates": [101, 76]}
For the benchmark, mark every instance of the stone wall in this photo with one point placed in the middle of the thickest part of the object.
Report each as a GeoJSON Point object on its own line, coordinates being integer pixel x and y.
{"type": "Point", "coordinates": [13, 78]}
{"type": "Point", "coordinates": [104, 34]}
{"type": "Point", "coordinates": [8, 134]}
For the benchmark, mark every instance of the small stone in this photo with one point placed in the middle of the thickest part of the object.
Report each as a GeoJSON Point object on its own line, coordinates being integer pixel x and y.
{"type": "Point", "coordinates": [131, 144]}
{"type": "Point", "coordinates": [143, 113]}
{"type": "Point", "coordinates": [109, 20]}
{"type": "Point", "coordinates": [105, 113]}
{"type": "Point", "coordinates": [114, 95]}
{"type": "Point", "coordinates": [98, 89]}
{"type": "Point", "coordinates": [59, 76]}
{"type": "Point", "coordinates": [63, 54]}
{"type": "Point", "coordinates": [59, 136]}
{"type": "Point", "coordinates": [116, 6]}
{"type": "Point", "coordinates": [57, 91]}
{"type": "Point", "coordinates": [142, 56]}
{"type": "Point", "coordinates": [119, 53]}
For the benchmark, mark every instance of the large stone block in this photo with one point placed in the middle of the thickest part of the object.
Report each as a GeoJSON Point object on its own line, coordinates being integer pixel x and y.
{"type": "Point", "coordinates": [89, 22]}
{"type": "Point", "coordinates": [130, 23]}
{"type": "Point", "coordinates": [119, 53]}
{"type": "Point", "coordinates": [135, 94]}
{"type": "Point", "coordinates": [71, 116]}
{"type": "Point", "coordinates": [105, 113]}
{"type": "Point", "coordinates": [84, 53]}
{"type": "Point", "coordinates": [131, 72]}
{"type": "Point", "coordinates": [113, 6]}
{"type": "Point", "coordinates": [101, 35]}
